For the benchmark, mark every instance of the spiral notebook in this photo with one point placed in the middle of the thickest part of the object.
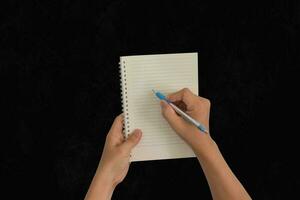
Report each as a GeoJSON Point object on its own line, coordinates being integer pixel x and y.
{"type": "Point", "coordinates": [163, 72]}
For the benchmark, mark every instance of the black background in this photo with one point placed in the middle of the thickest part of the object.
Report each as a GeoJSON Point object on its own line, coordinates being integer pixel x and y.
{"type": "Point", "coordinates": [60, 88]}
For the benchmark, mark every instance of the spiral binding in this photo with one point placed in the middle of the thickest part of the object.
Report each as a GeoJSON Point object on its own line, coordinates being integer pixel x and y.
{"type": "Point", "coordinates": [124, 99]}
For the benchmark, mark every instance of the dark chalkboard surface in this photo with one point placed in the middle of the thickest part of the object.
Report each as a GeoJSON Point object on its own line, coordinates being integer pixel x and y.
{"type": "Point", "coordinates": [60, 87]}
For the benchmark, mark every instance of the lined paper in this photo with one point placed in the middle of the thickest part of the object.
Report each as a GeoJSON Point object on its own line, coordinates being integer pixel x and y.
{"type": "Point", "coordinates": [166, 73]}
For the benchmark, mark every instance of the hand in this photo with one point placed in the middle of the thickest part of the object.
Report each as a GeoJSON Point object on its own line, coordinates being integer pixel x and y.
{"type": "Point", "coordinates": [198, 108]}
{"type": "Point", "coordinates": [114, 163]}
{"type": "Point", "coordinates": [223, 183]}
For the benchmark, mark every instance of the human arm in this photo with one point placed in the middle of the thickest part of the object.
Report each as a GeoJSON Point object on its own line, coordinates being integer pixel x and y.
{"type": "Point", "coordinates": [114, 163]}
{"type": "Point", "coordinates": [222, 182]}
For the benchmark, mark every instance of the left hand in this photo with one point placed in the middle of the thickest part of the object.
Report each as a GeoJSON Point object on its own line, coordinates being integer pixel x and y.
{"type": "Point", "coordinates": [114, 163]}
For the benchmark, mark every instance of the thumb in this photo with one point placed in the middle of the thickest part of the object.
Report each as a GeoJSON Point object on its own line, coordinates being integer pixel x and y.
{"type": "Point", "coordinates": [175, 121]}
{"type": "Point", "coordinates": [132, 140]}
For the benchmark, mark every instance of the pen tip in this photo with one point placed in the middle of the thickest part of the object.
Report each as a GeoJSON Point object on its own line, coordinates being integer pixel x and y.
{"type": "Point", "coordinates": [153, 91]}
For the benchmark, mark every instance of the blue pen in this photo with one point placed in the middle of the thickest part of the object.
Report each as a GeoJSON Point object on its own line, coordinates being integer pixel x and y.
{"type": "Point", "coordinates": [181, 113]}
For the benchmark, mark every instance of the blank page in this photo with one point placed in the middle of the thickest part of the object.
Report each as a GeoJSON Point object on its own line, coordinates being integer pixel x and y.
{"type": "Point", "coordinates": [166, 73]}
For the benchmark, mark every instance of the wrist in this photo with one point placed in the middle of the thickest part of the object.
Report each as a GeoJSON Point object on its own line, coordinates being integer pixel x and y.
{"type": "Point", "coordinates": [107, 184]}
{"type": "Point", "coordinates": [106, 177]}
{"type": "Point", "coordinates": [205, 147]}
{"type": "Point", "coordinates": [102, 187]}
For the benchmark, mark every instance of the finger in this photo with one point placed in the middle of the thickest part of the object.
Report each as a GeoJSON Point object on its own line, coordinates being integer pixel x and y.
{"type": "Point", "coordinates": [184, 95]}
{"type": "Point", "coordinates": [115, 135]}
{"type": "Point", "coordinates": [175, 121]}
{"type": "Point", "coordinates": [117, 124]}
{"type": "Point", "coordinates": [132, 140]}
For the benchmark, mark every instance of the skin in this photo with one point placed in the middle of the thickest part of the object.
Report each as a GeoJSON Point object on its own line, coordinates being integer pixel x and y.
{"type": "Point", "coordinates": [114, 163]}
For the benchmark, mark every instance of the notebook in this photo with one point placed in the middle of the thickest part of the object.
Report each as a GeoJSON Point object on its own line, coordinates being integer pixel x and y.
{"type": "Point", "coordinates": [166, 73]}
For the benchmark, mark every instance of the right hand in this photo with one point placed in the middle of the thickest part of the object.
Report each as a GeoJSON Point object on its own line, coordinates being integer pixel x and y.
{"type": "Point", "coordinates": [198, 108]}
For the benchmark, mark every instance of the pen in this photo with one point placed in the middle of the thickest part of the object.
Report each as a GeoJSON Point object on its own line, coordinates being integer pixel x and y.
{"type": "Point", "coordinates": [180, 112]}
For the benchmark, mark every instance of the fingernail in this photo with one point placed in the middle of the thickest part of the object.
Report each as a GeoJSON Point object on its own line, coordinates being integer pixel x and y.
{"type": "Point", "coordinates": [170, 98]}
{"type": "Point", "coordinates": [137, 132]}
